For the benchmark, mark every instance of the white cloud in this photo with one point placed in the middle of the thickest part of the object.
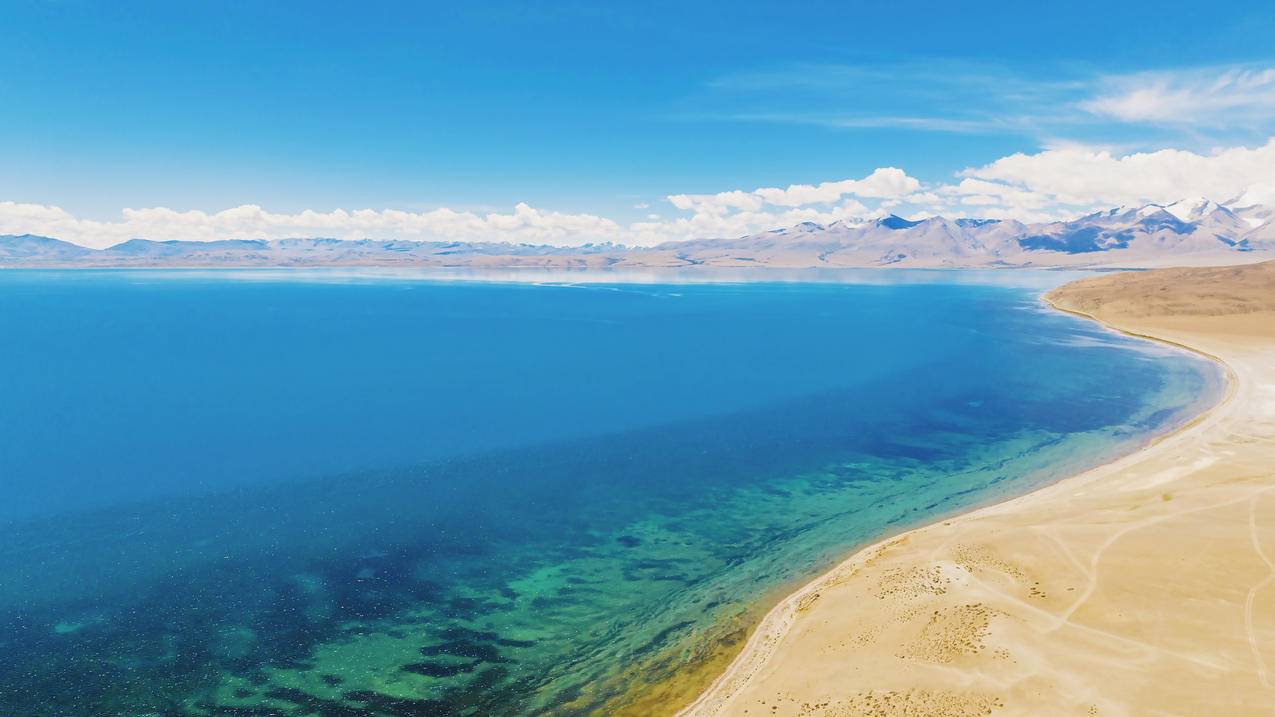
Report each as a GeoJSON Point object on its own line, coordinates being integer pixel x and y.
{"type": "Point", "coordinates": [971, 191]}
{"type": "Point", "coordinates": [524, 224]}
{"type": "Point", "coordinates": [883, 183]}
{"type": "Point", "coordinates": [706, 224]}
{"type": "Point", "coordinates": [717, 203]}
{"type": "Point", "coordinates": [1263, 194]}
{"type": "Point", "coordinates": [1201, 97]}
{"type": "Point", "coordinates": [1054, 183]}
{"type": "Point", "coordinates": [1079, 177]}
{"type": "Point", "coordinates": [918, 198]}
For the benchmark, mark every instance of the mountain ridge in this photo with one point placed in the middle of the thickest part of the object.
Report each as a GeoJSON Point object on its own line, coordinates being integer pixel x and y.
{"type": "Point", "coordinates": [1193, 230]}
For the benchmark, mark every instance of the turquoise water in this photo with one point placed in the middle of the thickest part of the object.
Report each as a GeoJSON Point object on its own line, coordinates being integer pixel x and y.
{"type": "Point", "coordinates": [248, 493]}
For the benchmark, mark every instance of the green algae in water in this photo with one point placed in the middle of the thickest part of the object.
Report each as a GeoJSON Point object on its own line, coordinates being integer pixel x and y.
{"type": "Point", "coordinates": [548, 580]}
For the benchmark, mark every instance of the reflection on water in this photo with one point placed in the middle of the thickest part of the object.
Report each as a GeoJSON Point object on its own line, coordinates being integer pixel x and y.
{"type": "Point", "coordinates": [575, 575]}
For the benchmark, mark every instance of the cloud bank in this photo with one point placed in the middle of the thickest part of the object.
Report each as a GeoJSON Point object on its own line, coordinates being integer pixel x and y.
{"type": "Point", "coordinates": [1051, 184]}
{"type": "Point", "coordinates": [523, 224]}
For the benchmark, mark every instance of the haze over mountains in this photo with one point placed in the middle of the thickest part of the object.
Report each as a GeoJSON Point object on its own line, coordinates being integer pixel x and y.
{"type": "Point", "coordinates": [1189, 231]}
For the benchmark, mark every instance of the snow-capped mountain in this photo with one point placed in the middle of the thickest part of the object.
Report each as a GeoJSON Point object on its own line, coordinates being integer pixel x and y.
{"type": "Point", "coordinates": [886, 241]}
{"type": "Point", "coordinates": [1193, 209]}
{"type": "Point", "coordinates": [1259, 218]}
{"type": "Point", "coordinates": [1184, 227]}
{"type": "Point", "coordinates": [1189, 231]}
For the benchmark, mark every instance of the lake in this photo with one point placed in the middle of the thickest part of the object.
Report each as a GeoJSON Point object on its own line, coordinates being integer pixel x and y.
{"type": "Point", "coordinates": [396, 494]}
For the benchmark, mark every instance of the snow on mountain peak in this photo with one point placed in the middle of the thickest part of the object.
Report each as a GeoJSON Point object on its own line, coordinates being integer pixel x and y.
{"type": "Point", "coordinates": [1255, 206]}
{"type": "Point", "coordinates": [1191, 208]}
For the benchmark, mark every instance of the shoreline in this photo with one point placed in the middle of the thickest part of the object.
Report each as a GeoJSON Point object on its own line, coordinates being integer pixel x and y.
{"type": "Point", "coordinates": [776, 625]}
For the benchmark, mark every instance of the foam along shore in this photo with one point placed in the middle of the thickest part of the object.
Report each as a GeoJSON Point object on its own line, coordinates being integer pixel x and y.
{"type": "Point", "coordinates": [1145, 586]}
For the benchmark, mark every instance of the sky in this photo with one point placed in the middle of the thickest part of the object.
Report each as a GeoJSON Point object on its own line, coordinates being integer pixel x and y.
{"type": "Point", "coordinates": [574, 122]}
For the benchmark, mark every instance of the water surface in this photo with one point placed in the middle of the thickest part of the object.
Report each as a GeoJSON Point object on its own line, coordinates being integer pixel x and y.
{"type": "Point", "coordinates": [251, 493]}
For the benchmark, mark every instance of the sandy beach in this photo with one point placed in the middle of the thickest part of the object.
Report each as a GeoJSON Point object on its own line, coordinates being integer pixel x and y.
{"type": "Point", "coordinates": [1143, 587]}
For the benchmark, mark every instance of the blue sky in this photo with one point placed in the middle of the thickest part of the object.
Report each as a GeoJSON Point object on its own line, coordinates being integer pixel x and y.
{"type": "Point", "coordinates": [595, 109]}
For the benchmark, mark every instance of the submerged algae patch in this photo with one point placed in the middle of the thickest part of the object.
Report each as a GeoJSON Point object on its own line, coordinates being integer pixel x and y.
{"type": "Point", "coordinates": [687, 625]}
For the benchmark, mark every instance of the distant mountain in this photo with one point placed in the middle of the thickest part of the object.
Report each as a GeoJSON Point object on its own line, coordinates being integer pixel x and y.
{"type": "Point", "coordinates": [890, 241]}
{"type": "Point", "coordinates": [29, 251]}
{"type": "Point", "coordinates": [1188, 231]}
{"type": "Point", "coordinates": [1174, 229]}
{"type": "Point", "coordinates": [25, 248]}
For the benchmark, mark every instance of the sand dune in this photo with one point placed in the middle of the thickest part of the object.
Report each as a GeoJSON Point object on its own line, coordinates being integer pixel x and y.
{"type": "Point", "coordinates": [1144, 587]}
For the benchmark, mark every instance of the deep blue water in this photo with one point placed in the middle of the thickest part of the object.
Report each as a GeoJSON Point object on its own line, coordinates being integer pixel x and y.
{"type": "Point", "coordinates": [270, 493]}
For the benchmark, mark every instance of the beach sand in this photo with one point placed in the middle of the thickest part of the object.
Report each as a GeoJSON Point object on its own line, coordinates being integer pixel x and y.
{"type": "Point", "coordinates": [1143, 587]}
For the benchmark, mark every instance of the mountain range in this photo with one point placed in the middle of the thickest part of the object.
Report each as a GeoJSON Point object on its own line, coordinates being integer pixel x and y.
{"type": "Point", "coordinates": [1189, 231]}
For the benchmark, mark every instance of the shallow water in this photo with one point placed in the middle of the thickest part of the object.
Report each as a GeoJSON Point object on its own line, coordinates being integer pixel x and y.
{"type": "Point", "coordinates": [346, 493]}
